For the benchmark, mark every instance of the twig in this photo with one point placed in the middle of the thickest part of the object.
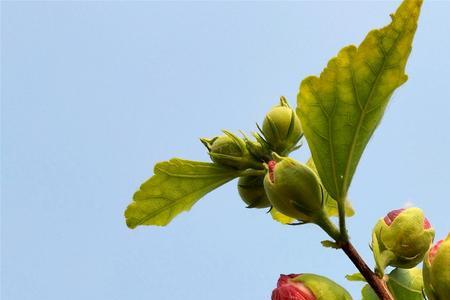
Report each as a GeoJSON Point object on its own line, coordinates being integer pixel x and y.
{"type": "Point", "coordinates": [377, 284]}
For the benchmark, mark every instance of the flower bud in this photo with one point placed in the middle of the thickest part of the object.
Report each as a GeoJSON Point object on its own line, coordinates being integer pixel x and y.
{"type": "Point", "coordinates": [402, 238]}
{"type": "Point", "coordinates": [251, 190]}
{"type": "Point", "coordinates": [294, 189]}
{"type": "Point", "coordinates": [308, 287]}
{"type": "Point", "coordinates": [436, 270]}
{"type": "Point", "coordinates": [231, 151]}
{"type": "Point", "coordinates": [281, 128]}
{"type": "Point", "coordinates": [288, 289]}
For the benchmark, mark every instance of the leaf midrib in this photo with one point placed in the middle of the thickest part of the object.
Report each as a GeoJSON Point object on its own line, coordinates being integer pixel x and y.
{"type": "Point", "coordinates": [363, 111]}
{"type": "Point", "coordinates": [218, 173]}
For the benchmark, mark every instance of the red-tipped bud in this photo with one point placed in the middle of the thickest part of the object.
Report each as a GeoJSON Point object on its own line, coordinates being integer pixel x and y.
{"type": "Point", "coordinates": [308, 287]}
{"type": "Point", "coordinates": [436, 273]}
{"type": "Point", "coordinates": [294, 189]}
{"type": "Point", "coordinates": [390, 217]}
{"type": "Point", "coordinates": [288, 289]}
{"type": "Point", "coordinates": [404, 236]}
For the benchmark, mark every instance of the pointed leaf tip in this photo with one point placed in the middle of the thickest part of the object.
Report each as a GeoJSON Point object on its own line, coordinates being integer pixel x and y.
{"type": "Point", "coordinates": [340, 109]}
{"type": "Point", "coordinates": [176, 186]}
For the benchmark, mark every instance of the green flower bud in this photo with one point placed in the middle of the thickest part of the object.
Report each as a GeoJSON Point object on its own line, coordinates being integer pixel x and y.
{"type": "Point", "coordinates": [401, 239]}
{"type": "Point", "coordinates": [308, 287]}
{"type": "Point", "coordinates": [436, 270]}
{"type": "Point", "coordinates": [251, 190]}
{"type": "Point", "coordinates": [231, 151]}
{"type": "Point", "coordinates": [281, 128]}
{"type": "Point", "coordinates": [294, 190]}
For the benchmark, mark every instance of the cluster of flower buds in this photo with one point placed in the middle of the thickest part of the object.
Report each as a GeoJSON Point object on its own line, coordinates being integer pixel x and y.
{"type": "Point", "coordinates": [436, 271]}
{"type": "Point", "coordinates": [401, 238]}
{"type": "Point", "coordinates": [308, 287]}
{"type": "Point", "coordinates": [282, 129]}
{"type": "Point", "coordinates": [281, 132]}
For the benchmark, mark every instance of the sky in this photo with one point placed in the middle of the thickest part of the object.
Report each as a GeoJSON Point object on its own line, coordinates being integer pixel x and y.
{"type": "Point", "coordinates": [93, 94]}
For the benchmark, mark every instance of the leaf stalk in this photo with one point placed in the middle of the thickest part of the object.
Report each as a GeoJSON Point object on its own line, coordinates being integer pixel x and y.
{"type": "Point", "coordinates": [342, 226]}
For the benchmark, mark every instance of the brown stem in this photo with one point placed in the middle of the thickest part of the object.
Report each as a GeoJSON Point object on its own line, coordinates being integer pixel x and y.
{"type": "Point", "coordinates": [377, 284]}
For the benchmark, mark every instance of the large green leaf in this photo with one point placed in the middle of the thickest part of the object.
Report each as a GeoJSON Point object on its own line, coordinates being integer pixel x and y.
{"type": "Point", "coordinates": [176, 186]}
{"type": "Point", "coordinates": [404, 284]}
{"type": "Point", "coordinates": [340, 110]}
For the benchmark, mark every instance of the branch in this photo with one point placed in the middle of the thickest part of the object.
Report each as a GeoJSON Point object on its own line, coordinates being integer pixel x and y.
{"type": "Point", "coordinates": [377, 284]}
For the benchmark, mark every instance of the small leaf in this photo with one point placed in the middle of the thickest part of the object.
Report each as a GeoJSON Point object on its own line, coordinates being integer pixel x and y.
{"type": "Point", "coordinates": [176, 186]}
{"type": "Point", "coordinates": [330, 244]}
{"type": "Point", "coordinates": [355, 277]}
{"type": "Point", "coordinates": [341, 109]}
{"type": "Point", "coordinates": [282, 218]}
{"type": "Point", "coordinates": [331, 206]}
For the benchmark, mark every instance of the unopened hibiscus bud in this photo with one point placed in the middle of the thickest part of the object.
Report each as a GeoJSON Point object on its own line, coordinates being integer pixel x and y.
{"type": "Point", "coordinates": [436, 270]}
{"type": "Point", "coordinates": [308, 287]}
{"type": "Point", "coordinates": [401, 238]}
{"type": "Point", "coordinates": [251, 190]}
{"type": "Point", "coordinates": [281, 128]}
{"type": "Point", "coordinates": [231, 151]}
{"type": "Point", "coordinates": [294, 190]}
{"type": "Point", "coordinates": [288, 289]}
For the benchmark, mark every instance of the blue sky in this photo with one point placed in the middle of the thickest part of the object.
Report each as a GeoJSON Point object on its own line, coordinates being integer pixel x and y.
{"type": "Point", "coordinates": [95, 93]}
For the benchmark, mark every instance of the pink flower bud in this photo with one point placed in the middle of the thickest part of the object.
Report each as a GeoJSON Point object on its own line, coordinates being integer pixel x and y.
{"type": "Point", "coordinates": [436, 273]}
{"type": "Point", "coordinates": [404, 236]}
{"type": "Point", "coordinates": [390, 217]}
{"type": "Point", "coordinates": [288, 289]}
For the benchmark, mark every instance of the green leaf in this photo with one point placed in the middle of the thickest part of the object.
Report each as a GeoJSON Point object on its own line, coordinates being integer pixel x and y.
{"type": "Point", "coordinates": [282, 218]}
{"type": "Point", "coordinates": [406, 284]}
{"type": "Point", "coordinates": [331, 206]}
{"type": "Point", "coordinates": [355, 277]}
{"type": "Point", "coordinates": [176, 186]}
{"type": "Point", "coordinates": [340, 110]}
{"type": "Point", "coordinates": [330, 244]}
